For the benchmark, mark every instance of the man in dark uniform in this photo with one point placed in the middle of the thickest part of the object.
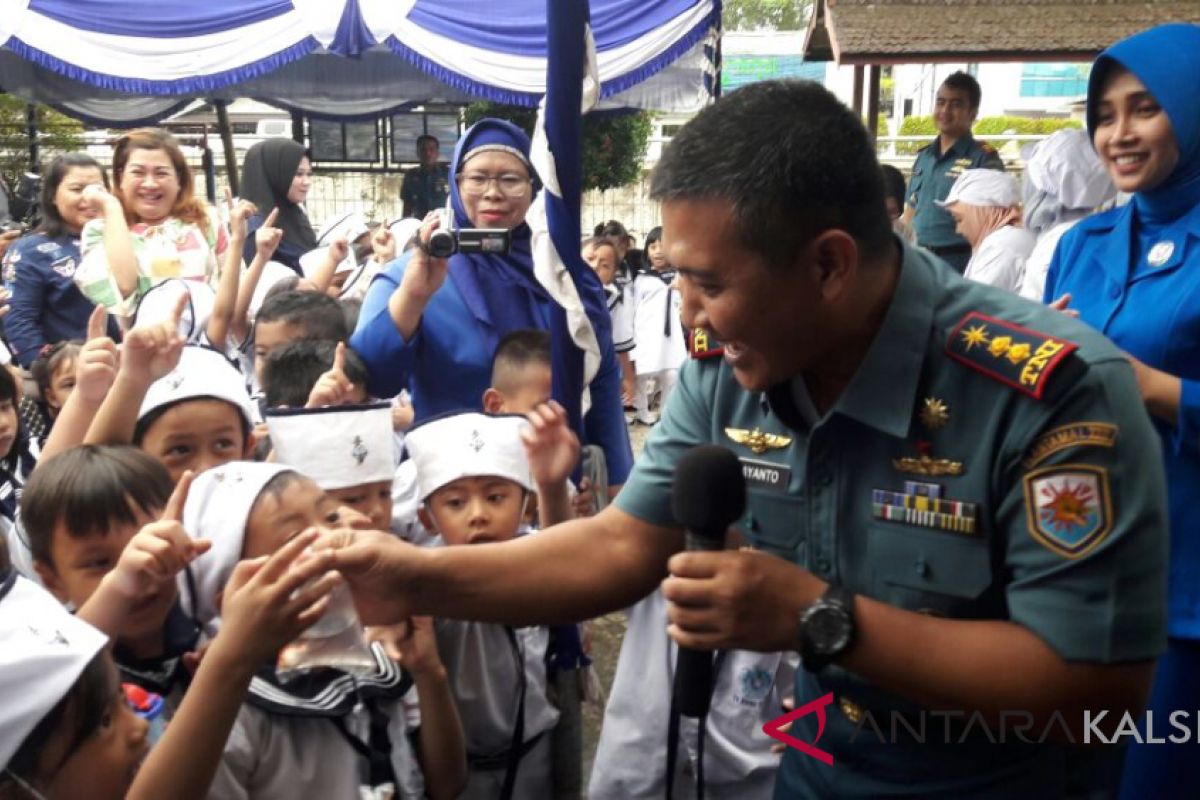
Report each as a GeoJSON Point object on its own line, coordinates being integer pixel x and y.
{"type": "Point", "coordinates": [940, 163]}
{"type": "Point", "coordinates": [955, 501]}
{"type": "Point", "coordinates": [425, 187]}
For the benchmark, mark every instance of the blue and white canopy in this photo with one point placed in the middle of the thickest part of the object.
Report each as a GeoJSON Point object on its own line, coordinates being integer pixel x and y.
{"type": "Point", "coordinates": [120, 61]}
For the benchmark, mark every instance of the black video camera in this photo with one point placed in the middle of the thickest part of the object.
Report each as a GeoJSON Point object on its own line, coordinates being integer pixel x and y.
{"type": "Point", "coordinates": [448, 240]}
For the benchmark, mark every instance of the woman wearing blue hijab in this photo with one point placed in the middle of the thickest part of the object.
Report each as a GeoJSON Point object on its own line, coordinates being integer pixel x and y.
{"type": "Point", "coordinates": [1134, 273]}
{"type": "Point", "coordinates": [432, 325]}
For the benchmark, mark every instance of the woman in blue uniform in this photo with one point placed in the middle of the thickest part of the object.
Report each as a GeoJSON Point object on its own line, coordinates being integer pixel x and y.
{"type": "Point", "coordinates": [1134, 273]}
{"type": "Point", "coordinates": [46, 306]}
{"type": "Point", "coordinates": [432, 325]}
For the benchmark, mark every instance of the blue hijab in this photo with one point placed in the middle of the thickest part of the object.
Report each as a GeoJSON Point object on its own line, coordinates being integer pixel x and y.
{"type": "Point", "coordinates": [500, 290]}
{"type": "Point", "coordinates": [1166, 59]}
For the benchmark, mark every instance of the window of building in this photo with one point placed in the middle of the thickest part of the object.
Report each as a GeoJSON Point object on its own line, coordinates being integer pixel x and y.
{"type": "Point", "coordinates": [1054, 80]}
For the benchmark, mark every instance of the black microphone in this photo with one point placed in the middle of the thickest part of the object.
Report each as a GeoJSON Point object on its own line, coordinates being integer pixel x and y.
{"type": "Point", "coordinates": [708, 496]}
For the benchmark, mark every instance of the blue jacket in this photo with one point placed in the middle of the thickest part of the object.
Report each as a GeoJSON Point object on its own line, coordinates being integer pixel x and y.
{"type": "Point", "coordinates": [46, 305]}
{"type": "Point", "coordinates": [447, 368]}
{"type": "Point", "coordinates": [1153, 313]}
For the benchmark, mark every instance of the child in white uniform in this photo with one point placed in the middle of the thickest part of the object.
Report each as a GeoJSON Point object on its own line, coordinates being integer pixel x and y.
{"type": "Point", "coordinates": [660, 345]}
{"type": "Point", "coordinates": [474, 481]}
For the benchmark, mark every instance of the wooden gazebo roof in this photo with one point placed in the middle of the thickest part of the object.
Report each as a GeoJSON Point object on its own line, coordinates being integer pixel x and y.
{"type": "Point", "coordinates": [926, 31]}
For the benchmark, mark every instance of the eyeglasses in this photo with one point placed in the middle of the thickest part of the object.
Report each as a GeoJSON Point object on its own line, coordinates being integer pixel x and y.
{"type": "Point", "coordinates": [475, 184]}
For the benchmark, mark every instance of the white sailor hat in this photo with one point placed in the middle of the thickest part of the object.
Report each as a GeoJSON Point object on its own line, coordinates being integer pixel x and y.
{"type": "Point", "coordinates": [336, 446]}
{"type": "Point", "coordinates": [311, 261]}
{"type": "Point", "coordinates": [218, 507]}
{"type": "Point", "coordinates": [272, 273]}
{"type": "Point", "coordinates": [1066, 165]}
{"type": "Point", "coordinates": [403, 231]}
{"type": "Point", "coordinates": [201, 372]}
{"type": "Point", "coordinates": [350, 225]}
{"type": "Point", "coordinates": [467, 445]}
{"type": "Point", "coordinates": [983, 187]}
{"type": "Point", "coordinates": [157, 305]}
{"type": "Point", "coordinates": [43, 651]}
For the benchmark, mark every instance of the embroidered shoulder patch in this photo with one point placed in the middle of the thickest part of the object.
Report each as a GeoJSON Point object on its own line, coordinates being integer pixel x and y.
{"type": "Point", "coordinates": [702, 344]}
{"type": "Point", "coordinates": [1019, 357]}
{"type": "Point", "coordinates": [1068, 508]}
{"type": "Point", "coordinates": [1078, 434]}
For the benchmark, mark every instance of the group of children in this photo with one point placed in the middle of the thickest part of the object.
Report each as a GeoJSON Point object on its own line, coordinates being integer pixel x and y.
{"type": "Point", "coordinates": [644, 304]}
{"type": "Point", "coordinates": [167, 628]}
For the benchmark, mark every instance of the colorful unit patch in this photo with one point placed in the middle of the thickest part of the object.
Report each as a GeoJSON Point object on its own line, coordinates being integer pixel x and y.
{"type": "Point", "coordinates": [922, 504]}
{"type": "Point", "coordinates": [1079, 434]}
{"type": "Point", "coordinates": [702, 344]}
{"type": "Point", "coordinates": [1068, 507]}
{"type": "Point", "coordinates": [1022, 358]}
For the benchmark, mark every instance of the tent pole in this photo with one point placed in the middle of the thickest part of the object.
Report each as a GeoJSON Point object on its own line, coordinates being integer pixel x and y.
{"type": "Point", "coordinates": [231, 166]}
{"type": "Point", "coordinates": [873, 101]}
{"type": "Point", "coordinates": [858, 89]}
{"type": "Point", "coordinates": [31, 130]}
{"type": "Point", "coordinates": [298, 127]}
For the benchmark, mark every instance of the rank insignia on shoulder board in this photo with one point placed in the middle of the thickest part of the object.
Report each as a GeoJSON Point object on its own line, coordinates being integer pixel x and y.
{"type": "Point", "coordinates": [1022, 358]}
{"type": "Point", "coordinates": [702, 344]}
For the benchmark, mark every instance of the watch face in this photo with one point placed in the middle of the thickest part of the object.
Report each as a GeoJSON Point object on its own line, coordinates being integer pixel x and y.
{"type": "Point", "coordinates": [829, 629]}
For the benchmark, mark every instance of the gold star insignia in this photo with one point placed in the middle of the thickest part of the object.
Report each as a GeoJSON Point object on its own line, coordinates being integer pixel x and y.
{"type": "Point", "coordinates": [934, 413]}
{"type": "Point", "coordinates": [1000, 345]}
{"type": "Point", "coordinates": [758, 441]}
{"type": "Point", "coordinates": [1019, 352]}
{"type": "Point", "coordinates": [974, 336]}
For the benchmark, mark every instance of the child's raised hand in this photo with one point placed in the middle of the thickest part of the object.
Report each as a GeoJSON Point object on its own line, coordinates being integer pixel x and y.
{"type": "Point", "coordinates": [268, 237]}
{"type": "Point", "coordinates": [151, 352]}
{"type": "Point", "coordinates": [333, 388]}
{"type": "Point", "coordinates": [339, 248]}
{"type": "Point", "coordinates": [160, 550]}
{"type": "Point", "coordinates": [269, 601]}
{"type": "Point", "coordinates": [383, 244]}
{"type": "Point", "coordinates": [239, 216]}
{"type": "Point", "coordinates": [550, 445]}
{"type": "Point", "coordinates": [410, 644]}
{"type": "Point", "coordinates": [99, 358]}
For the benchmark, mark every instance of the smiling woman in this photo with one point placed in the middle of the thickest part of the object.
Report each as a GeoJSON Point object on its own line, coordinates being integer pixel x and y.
{"type": "Point", "coordinates": [1132, 273]}
{"type": "Point", "coordinates": [153, 229]}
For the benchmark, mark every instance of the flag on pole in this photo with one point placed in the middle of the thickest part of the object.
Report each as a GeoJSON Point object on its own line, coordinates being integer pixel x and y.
{"type": "Point", "coordinates": [572, 88]}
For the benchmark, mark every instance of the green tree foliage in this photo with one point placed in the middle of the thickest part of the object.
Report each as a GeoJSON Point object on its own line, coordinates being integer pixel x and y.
{"type": "Point", "coordinates": [760, 15]}
{"type": "Point", "coordinates": [613, 144]}
{"type": "Point", "coordinates": [989, 129]}
{"type": "Point", "coordinates": [57, 133]}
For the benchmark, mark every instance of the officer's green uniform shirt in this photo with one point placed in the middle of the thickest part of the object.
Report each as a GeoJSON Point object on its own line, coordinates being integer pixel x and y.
{"type": "Point", "coordinates": [1049, 511]}
{"type": "Point", "coordinates": [933, 174]}
{"type": "Point", "coordinates": [424, 190]}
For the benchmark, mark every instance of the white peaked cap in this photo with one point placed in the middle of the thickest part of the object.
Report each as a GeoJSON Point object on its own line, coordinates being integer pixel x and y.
{"type": "Point", "coordinates": [272, 273]}
{"type": "Point", "coordinates": [43, 651]}
{"type": "Point", "coordinates": [158, 304]}
{"type": "Point", "coordinates": [983, 187]}
{"type": "Point", "coordinates": [218, 507]}
{"type": "Point", "coordinates": [403, 230]}
{"type": "Point", "coordinates": [467, 445]}
{"type": "Point", "coordinates": [201, 373]}
{"type": "Point", "coordinates": [336, 446]}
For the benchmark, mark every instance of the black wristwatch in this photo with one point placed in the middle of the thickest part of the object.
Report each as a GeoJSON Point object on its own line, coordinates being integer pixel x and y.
{"type": "Point", "coordinates": [826, 628]}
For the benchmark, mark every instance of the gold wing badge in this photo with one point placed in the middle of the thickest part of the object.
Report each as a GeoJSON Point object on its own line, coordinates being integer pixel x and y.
{"type": "Point", "coordinates": [757, 440]}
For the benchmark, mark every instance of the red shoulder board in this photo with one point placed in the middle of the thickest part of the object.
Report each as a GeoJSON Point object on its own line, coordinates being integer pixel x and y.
{"type": "Point", "coordinates": [702, 344]}
{"type": "Point", "coordinates": [1022, 358]}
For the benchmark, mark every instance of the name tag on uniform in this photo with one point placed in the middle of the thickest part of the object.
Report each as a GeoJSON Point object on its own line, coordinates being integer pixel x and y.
{"type": "Point", "coordinates": [766, 474]}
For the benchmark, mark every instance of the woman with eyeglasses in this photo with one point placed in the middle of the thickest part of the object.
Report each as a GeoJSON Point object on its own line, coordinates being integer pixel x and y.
{"type": "Point", "coordinates": [432, 325]}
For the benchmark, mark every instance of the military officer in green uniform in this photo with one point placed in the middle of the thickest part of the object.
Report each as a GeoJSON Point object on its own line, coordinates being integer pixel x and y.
{"type": "Point", "coordinates": [426, 186]}
{"type": "Point", "coordinates": [940, 163]}
{"type": "Point", "coordinates": [956, 510]}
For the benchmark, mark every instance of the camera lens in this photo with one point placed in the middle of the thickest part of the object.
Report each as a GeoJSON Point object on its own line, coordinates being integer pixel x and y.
{"type": "Point", "coordinates": [442, 244]}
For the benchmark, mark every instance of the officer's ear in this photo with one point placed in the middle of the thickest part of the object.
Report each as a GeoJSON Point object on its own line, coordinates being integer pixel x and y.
{"type": "Point", "coordinates": [834, 256]}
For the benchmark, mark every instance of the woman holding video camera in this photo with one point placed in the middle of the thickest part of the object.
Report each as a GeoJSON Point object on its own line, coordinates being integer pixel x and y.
{"type": "Point", "coordinates": [431, 325]}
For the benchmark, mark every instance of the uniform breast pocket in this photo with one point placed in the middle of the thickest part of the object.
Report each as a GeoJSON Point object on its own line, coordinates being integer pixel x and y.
{"type": "Point", "coordinates": [929, 571]}
{"type": "Point", "coordinates": [774, 523]}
